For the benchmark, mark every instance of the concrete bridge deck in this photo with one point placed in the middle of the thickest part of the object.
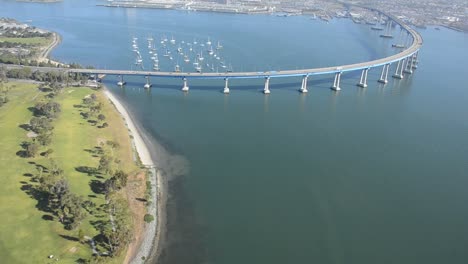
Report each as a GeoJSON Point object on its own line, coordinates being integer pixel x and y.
{"type": "Point", "coordinates": [416, 45]}
{"type": "Point", "coordinates": [410, 51]}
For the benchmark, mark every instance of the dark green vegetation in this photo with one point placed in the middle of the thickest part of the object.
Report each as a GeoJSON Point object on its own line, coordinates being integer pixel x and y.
{"type": "Point", "coordinates": [63, 176]}
{"type": "Point", "coordinates": [55, 79]}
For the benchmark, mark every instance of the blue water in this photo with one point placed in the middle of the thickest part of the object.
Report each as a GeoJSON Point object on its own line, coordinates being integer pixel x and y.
{"type": "Point", "coordinates": [375, 175]}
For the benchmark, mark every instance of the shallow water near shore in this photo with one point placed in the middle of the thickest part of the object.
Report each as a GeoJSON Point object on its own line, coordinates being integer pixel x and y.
{"type": "Point", "coordinates": [360, 176]}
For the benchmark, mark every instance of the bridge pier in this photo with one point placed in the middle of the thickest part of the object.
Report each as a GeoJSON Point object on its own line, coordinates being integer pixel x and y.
{"type": "Point", "coordinates": [266, 90]}
{"type": "Point", "coordinates": [185, 88]}
{"type": "Point", "coordinates": [415, 61]}
{"type": "Point", "coordinates": [384, 75]}
{"type": "Point", "coordinates": [226, 87]}
{"type": "Point", "coordinates": [304, 84]}
{"type": "Point", "coordinates": [148, 83]}
{"type": "Point", "coordinates": [363, 82]}
{"type": "Point", "coordinates": [121, 82]}
{"type": "Point", "coordinates": [336, 82]}
{"type": "Point", "coordinates": [409, 63]}
{"type": "Point", "coordinates": [397, 74]}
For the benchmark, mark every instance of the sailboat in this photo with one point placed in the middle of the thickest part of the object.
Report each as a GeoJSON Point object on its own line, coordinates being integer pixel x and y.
{"type": "Point", "coordinates": [200, 56]}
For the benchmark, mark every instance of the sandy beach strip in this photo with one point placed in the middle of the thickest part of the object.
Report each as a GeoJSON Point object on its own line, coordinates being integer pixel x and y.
{"type": "Point", "coordinates": [140, 145]}
{"type": "Point", "coordinates": [153, 231]}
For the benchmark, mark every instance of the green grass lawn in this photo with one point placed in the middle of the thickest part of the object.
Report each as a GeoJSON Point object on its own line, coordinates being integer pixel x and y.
{"type": "Point", "coordinates": [25, 236]}
{"type": "Point", "coordinates": [39, 41]}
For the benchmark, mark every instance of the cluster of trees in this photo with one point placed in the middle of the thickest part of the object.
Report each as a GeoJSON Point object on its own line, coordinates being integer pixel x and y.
{"type": "Point", "coordinates": [7, 44]}
{"type": "Point", "coordinates": [19, 32]}
{"type": "Point", "coordinates": [41, 125]}
{"type": "Point", "coordinates": [10, 58]}
{"type": "Point", "coordinates": [94, 111]}
{"type": "Point", "coordinates": [50, 76]}
{"type": "Point", "coordinates": [116, 233]}
{"type": "Point", "coordinates": [67, 206]}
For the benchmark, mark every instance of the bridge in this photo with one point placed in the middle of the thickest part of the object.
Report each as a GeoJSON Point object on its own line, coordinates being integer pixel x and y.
{"type": "Point", "coordinates": [406, 61]}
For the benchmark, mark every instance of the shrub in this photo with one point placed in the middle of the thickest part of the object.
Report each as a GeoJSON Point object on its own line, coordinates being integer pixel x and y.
{"type": "Point", "coordinates": [148, 218]}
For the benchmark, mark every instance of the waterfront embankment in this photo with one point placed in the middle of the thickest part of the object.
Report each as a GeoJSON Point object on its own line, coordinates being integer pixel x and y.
{"type": "Point", "coordinates": [150, 239]}
{"type": "Point", "coordinates": [44, 56]}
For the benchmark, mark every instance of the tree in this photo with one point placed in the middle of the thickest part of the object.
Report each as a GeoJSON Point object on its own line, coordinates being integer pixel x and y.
{"type": "Point", "coordinates": [31, 149]}
{"type": "Point", "coordinates": [50, 109]}
{"type": "Point", "coordinates": [101, 117]}
{"type": "Point", "coordinates": [81, 236]}
{"type": "Point", "coordinates": [116, 182]}
{"type": "Point", "coordinates": [71, 210]}
{"type": "Point", "coordinates": [44, 138]}
{"type": "Point", "coordinates": [148, 218]}
{"type": "Point", "coordinates": [105, 164]}
{"type": "Point", "coordinates": [48, 152]}
{"type": "Point", "coordinates": [41, 123]}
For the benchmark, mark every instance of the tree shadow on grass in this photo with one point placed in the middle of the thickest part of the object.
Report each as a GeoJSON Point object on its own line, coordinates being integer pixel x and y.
{"type": "Point", "coordinates": [92, 122]}
{"type": "Point", "coordinates": [98, 224]}
{"type": "Point", "coordinates": [48, 217]}
{"type": "Point", "coordinates": [97, 187]}
{"type": "Point", "coordinates": [70, 238]}
{"type": "Point", "coordinates": [91, 171]}
{"type": "Point", "coordinates": [26, 127]}
{"type": "Point", "coordinates": [41, 197]}
{"type": "Point", "coordinates": [96, 151]}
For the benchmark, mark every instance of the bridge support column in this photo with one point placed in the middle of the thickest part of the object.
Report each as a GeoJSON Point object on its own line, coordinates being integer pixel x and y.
{"type": "Point", "coordinates": [397, 74]}
{"type": "Point", "coordinates": [121, 81]}
{"type": "Point", "coordinates": [336, 82]}
{"type": "Point", "coordinates": [415, 61]}
{"type": "Point", "coordinates": [403, 63]}
{"type": "Point", "coordinates": [363, 81]}
{"type": "Point", "coordinates": [409, 63]}
{"type": "Point", "coordinates": [148, 83]}
{"type": "Point", "coordinates": [384, 75]}
{"type": "Point", "coordinates": [185, 88]}
{"type": "Point", "coordinates": [304, 84]}
{"type": "Point", "coordinates": [266, 90]}
{"type": "Point", "coordinates": [226, 87]}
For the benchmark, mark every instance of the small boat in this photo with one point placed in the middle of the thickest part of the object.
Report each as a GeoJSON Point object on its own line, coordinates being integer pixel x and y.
{"type": "Point", "coordinates": [172, 40]}
{"type": "Point", "coordinates": [177, 68]}
{"type": "Point", "coordinates": [218, 47]}
{"type": "Point", "coordinates": [208, 42]}
{"type": "Point", "coordinates": [400, 46]}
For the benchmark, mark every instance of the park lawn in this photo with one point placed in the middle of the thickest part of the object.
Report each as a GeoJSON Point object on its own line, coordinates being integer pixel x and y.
{"type": "Point", "coordinates": [25, 237]}
{"type": "Point", "coordinates": [38, 41]}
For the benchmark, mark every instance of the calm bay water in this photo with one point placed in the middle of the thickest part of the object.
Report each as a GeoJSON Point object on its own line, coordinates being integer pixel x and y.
{"type": "Point", "coordinates": [375, 175]}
